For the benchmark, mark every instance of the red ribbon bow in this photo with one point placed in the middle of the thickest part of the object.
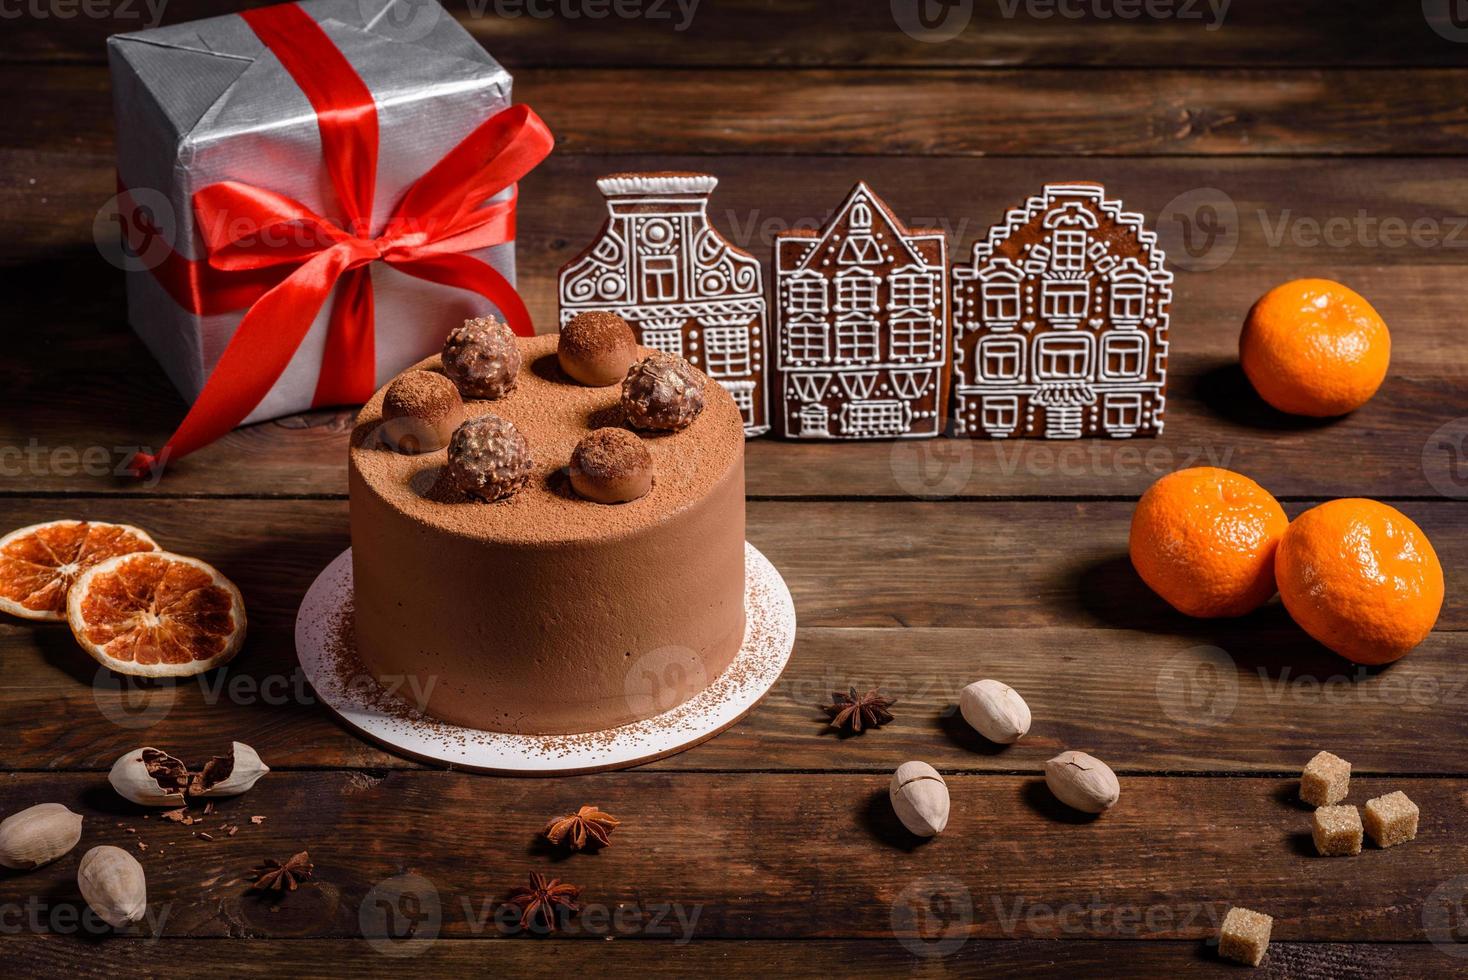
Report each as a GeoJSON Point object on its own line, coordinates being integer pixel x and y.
{"type": "Point", "coordinates": [247, 229]}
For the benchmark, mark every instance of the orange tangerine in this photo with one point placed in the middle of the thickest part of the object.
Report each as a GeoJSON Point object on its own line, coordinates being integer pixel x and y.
{"type": "Point", "coordinates": [1361, 578]}
{"type": "Point", "coordinates": [1315, 347]}
{"type": "Point", "coordinates": [1204, 540]}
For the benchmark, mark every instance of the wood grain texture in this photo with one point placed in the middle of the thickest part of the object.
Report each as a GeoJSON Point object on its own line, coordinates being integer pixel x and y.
{"type": "Point", "coordinates": [67, 377]}
{"type": "Point", "coordinates": [757, 33]}
{"type": "Point", "coordinates": [1238, 700]}
{"type": "Point", "coordinates": [1005, 113]}
{"type": "Point", "coordinates": [939, 112]}
{"type": "Point", "coordinates": [1017, 564]}
{"type": "Point", "coordinates": [1012, 864]}
{"type": "Point", "coordinates": [817, 959]}
{"type": "Point", "coordinates": [1040, 595]}
{"type": "Point", "coordinates": [1268, 216]}
{"type": "Point", "coordinates": [1302, 137]}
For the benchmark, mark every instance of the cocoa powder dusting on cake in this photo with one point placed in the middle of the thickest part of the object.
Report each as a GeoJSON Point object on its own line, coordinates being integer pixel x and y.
{"type": "Point", "coordinates": [759, 662]}
{"type": "Point", "coordinates": [554, 413]}
{"type": "Point", "coordinates": [597, 348]}
{"type": "Point", "coordinates": [347, 672]}
{"type": "Point", "coordinates": [596, 332]}
{"type": "Point", "coordinates": [422, 395]}
{"type": "Point", "coordinates": [421, 553]}
{"type": "Point", "coordinates": [611, 453]}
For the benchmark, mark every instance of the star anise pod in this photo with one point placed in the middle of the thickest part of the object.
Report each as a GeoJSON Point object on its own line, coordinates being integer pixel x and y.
{"type": "Point", "coordinates": [587, 825]}
{"type": "Point", "coordinates": [855, 712]}
{"type": "Point", "coordinates": [544, 900]}
{"type": "Point", "coordinates": [283, 876]}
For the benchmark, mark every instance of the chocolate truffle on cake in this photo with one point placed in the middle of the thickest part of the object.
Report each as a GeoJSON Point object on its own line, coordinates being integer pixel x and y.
{"type": "Point", "coordinates": [488, 459]}
{"type": "Point", "coordinates": [420, 412]}
{"type": "Point", "coordinates": [597, 348]}
{"type": "Point", "coordinates": [611, 466]}
{"type": "Point", "coordinates": [662, 392]}
{"type": "Point", "coordinates": [482, 358]}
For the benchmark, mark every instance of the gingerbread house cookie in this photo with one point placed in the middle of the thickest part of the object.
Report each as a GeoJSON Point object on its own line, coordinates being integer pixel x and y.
{"type": "Point", "coordinates": [861, 320]}
{"type": "Point", "coordinates": [1060, 322]}
{"type": "Point", "coordinates": [660, 265]}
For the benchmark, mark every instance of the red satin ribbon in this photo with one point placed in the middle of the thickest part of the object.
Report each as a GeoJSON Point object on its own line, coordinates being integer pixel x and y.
{"type": "Point", "coordinates": [284, 260]}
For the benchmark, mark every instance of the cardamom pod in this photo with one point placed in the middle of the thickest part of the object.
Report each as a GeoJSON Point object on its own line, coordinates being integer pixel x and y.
{"type": "Point", "coordinates": [38, 835]}
{"type": "Point", "coordinates": [113, 883]}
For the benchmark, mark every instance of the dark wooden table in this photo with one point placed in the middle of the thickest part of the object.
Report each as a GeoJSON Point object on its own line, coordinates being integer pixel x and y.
{"type": "Point", "coordinates": [1326, 137]}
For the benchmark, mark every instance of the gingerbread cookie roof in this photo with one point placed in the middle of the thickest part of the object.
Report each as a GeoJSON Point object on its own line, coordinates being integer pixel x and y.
{"type": "Point", "coordinates": [800, 247]}
{"type": "Point", "coordinates": [657, 182]}
{"type": "Point", "coordinates": [1017, 218]}
{"type": "Point", "coordinates": [554, 413]}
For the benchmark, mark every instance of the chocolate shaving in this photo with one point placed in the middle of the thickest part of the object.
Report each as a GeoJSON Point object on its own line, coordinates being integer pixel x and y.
{"type": "Point", "coordinates": [169, 773]}
{"type": "Point", "coordinates": [215, 771]}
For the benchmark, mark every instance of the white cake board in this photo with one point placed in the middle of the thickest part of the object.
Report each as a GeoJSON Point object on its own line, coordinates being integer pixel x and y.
{"type": "Point", "coordinates": [769, 638]}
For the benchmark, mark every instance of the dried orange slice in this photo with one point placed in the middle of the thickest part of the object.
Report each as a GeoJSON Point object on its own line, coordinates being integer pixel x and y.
{"type": "Point", "coordinates": [156, 615]}
{"type": "Point", "coordinates": [39, 563]}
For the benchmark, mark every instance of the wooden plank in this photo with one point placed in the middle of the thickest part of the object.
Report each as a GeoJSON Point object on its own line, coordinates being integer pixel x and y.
{"type": "Point", "coordinates": [35, 955]}
{"type": "Point", "coordinates": [1240, 699]}
{"type": "Point", "coordinates": [1038, 112]}
{"type": "Point", "coordinates": [525, 33]}
{"type": "Point", "coordinates": [990, 564]}
{"type": "Point", "coordinates": [798, 855]}
{"type": "Point", "coordinates": [964, 113]}
{"type": "Point", "coordinates": [1266, 216]}
{"type": "Point", "coordinates": [83, 381]}
{"type": "Point", "coordinates": [1038, 594]}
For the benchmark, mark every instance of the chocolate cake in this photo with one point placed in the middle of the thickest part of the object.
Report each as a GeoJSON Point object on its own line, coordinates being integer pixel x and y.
{"type": "Point", "coordinates": [542, 612]}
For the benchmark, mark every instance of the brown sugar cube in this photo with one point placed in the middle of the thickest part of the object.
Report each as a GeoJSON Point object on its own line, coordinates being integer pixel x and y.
{"type": "Point", "coordinates": [1337, 831]}
{"type": "Point", "coordinates": [1244, 937]}
{"type": "Point", "coordinates": [1326, 780]}
{"type": "Point", "coordinates": [1391, 819]}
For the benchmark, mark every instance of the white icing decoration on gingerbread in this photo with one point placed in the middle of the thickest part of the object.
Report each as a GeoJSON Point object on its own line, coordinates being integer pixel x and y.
{"type": "Point", "coordinates": [682, 287]}
{"type": "Point", "coordinates": [1091, 358]}
{"type": "Point", "coordinates": [861, 321]}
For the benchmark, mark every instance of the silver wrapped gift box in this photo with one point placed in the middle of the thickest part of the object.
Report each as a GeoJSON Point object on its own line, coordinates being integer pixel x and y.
{"type": "Point", "coordinates": [204, 102]}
